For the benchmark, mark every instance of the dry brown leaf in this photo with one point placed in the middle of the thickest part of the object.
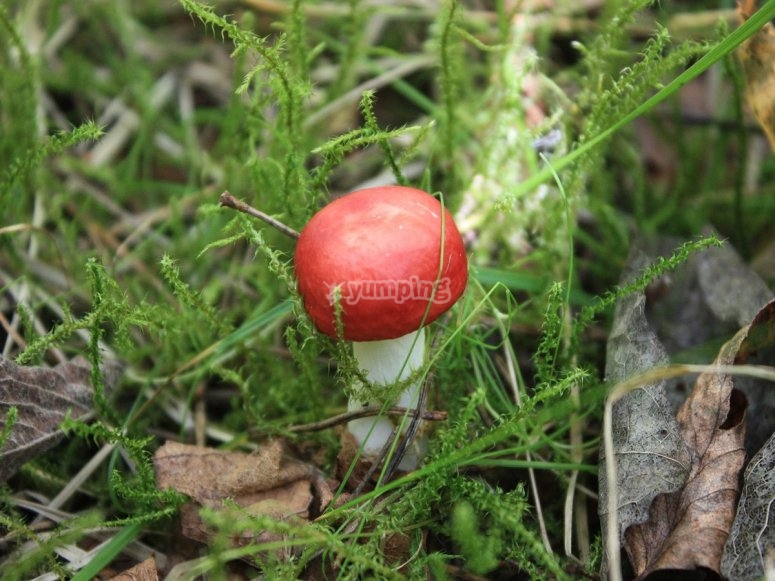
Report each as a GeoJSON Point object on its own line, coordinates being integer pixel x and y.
{"type": "Point", "coordinates": [268, 482]}
{"type": "Point", "coordinates": [208, 475]}
{"type": "Point", "coordinates": [651, 456]}
{"type": "Point", "coordinates": [687, 529]}
{"type": "Point", "coordinates": [43, 397]}
{"type": "Point", "coordinates": [683, 524]}
{"type": "Point", "coordinates": [289, 502]}
{"type": "Point", "coordinates": [757, 57]}
{"type": "Point", "coordinates": [704, 303]}
{"type": "Point", "coordinates": [145, 571]}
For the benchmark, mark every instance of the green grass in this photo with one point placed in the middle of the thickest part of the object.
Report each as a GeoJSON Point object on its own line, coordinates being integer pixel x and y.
{"type": "Point", "coordinates": [122, 124]}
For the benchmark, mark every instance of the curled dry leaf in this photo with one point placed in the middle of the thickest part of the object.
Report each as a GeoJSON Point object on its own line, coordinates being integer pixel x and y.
{"type": "Point", "coordinates": [43, 397]}
{"type": "Point", "coordinates": [669, 521]}
{"type": "Point", "coordinates": [757, 57]}
{"type": "Point", "coordinates": [268, 482]}
{"type": "Point", "coordinates": [703, 304]}
{"type": "Point", "coordinates": [687, 529]}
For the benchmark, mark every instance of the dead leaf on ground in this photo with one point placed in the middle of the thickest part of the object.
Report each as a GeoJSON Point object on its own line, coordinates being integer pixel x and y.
{"type": "Point", "coordinates": [651, 456]}
{"type": "Point", "coordinates": [268, 482]}
{"type": "Point", "coordinates": [145, 571]}
{"type": "Point", "coordinates": [666, 522]}
{"type": "Point", "coordinates": [757, 57]}
{"type": "Point", "coordinates": [749, 549]}
{"type": "Point", "coordinates": [698, 308]}
{"type": "Point", "coordinates": [752, 537]}
{"type": "Point", "coordinates": [43, 397]}
{"type": "Point", "coordinates": [687, 529]}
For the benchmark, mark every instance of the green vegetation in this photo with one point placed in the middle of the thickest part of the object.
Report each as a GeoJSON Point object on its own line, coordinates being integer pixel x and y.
{"type": "Point", "coordinates": [124, 121]}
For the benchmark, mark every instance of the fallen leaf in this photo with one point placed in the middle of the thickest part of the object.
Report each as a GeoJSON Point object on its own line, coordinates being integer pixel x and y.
{"type": "Point", "coordinates": [289, 502]}
{"type": "Point", "coordinates": [751, 541]}
{"type": "Point", "coordinates": [752, 536]}
{"type": "Point", "coordinates": [687, 529]}
{"type": "Point", "coordinates": [705, 301]}
{"type": "Point", "coordinates": [757, 58]}
{"type": "Point", "coordinates": [43, 397]}
{"type": "Point", "coordinates": [732, 291]}
{"type": "Point", "coordinates": [703, 304]}
{"type": "Point", "coordinates": [651, 456]}
{"type": "Point", "coordinates": [145, 571]}
{"type": "Point", "coordinates": [208, 475]}
{"type": "Point", "coordinates": [268, 482]}
{"type": "Point", "coordinates": [666, 522]}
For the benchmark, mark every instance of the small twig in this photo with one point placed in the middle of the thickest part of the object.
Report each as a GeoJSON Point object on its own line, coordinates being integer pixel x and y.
{"type": "Point", "coordinates": [410, 433]}
{"type": "Point", "coordinates": [230, 201]}
{"type": "Point", "coordinates": [430, 415]}
{"type": "Point", "coordinates": [399, 451]}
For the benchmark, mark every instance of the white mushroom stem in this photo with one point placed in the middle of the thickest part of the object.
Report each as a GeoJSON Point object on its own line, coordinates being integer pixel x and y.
{"type": "Point", "coordinates": [384, 363]}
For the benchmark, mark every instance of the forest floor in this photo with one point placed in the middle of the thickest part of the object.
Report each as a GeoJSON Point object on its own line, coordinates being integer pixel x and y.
{"type": "Point", "coordinates": [595, 404]}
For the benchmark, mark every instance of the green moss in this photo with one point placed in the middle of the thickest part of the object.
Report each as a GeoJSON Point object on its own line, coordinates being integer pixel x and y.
{"type": "Point", "coordinates": [122, 124]}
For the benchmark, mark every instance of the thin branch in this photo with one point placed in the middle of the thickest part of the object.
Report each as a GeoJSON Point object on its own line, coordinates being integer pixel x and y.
{"type": "Point", "coordinates": [230, 201]}
{"type": "Point", "coordinates": [429, 415]}
{"type": "Point", "coordinates": [409, 435]}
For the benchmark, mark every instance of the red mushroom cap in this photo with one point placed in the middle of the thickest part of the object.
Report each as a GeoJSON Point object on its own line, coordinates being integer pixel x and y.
{"type": "Point", "coordinates": [381, 248]}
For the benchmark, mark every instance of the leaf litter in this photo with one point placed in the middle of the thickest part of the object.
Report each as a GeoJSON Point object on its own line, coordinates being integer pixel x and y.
{"type": "Point", "coordinates": [751, 543]}
{"type": "Point", "coordinates": [41, 398]}
{"type": "Point", "coordinates": [678, 476]}
{"type": "Point", "coordinates": [269, 482]}
{"type": "Point", "coordinates": [651, 456]}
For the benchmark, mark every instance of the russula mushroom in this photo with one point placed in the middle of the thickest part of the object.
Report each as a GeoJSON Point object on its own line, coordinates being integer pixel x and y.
{"type": "Point", "coordinates": [377, 253]}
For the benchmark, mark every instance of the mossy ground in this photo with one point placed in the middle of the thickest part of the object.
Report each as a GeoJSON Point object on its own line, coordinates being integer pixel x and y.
{"type": "Point", "coordinates": [122, 122]}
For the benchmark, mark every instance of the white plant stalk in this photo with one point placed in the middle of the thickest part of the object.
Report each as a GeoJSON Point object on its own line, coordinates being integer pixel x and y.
{"type": "Point", "coordinates": [384, 363]}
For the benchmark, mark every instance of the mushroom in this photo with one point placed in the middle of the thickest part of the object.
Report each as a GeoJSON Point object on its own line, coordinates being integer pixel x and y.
{"type": "Point", "coordinates": [377, 254]}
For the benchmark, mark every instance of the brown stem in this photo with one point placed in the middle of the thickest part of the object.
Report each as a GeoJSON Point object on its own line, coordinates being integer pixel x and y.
{"type": "Point", "coordinates": [430, 415]}
{"type": "Point", "coordinates": [230, 201]}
